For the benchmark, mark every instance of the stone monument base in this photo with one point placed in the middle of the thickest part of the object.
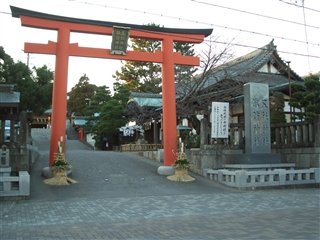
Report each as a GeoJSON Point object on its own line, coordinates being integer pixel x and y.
{"type": "Point", "coordinates": [257, 158]}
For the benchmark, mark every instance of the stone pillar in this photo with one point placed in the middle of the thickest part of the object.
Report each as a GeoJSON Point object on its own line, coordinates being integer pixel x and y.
{"type": "Point", "coordinates": [203, 132]}
{"type": "Point", "coordinates": [155, 132]}
{"type": "Point", "coordinates": [241, 179]}
{"type": "Point", "coordinates": [257, 126]}
{"type": "Point", "coordinates": [317, 131]}
{"type": "Point", "coordinates": [23, 132]}
{"type": "Point", "coordinates": [257, 118]}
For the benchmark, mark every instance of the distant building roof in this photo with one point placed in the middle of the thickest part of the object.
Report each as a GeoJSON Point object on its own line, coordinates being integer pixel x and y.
{"type": "Point", "coordinates": [146, 99]}
{"type": "Point", "coordinates": [263, 65]}
{"type": "Point", "coordinates": [9, 98]}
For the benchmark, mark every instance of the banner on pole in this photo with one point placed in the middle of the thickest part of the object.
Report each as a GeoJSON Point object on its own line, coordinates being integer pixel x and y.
{"type": "Point", "coordinates": [220, 120]}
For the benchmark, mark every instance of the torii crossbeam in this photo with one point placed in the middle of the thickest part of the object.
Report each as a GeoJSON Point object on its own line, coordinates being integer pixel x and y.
{"type": "Point", "coordinates": [63, 49]}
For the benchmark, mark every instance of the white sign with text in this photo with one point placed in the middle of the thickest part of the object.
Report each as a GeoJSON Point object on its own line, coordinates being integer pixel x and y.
{"type": "Point", "coordinates": [220, 120]}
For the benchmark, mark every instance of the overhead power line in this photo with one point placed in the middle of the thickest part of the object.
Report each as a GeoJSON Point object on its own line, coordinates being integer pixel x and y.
{"type": "Point", "coordinates": [293, 4]}
{"type": "Point", "coordinates": [199, 22]}
{"type": "Point", "coordinates": [247, 46]}
{"type": "Point", "coordinates": [172, 34]}
{"type": "Point", "coordinates": [256, 14]}
{"type": "Point", "coordinates": [305, 30]}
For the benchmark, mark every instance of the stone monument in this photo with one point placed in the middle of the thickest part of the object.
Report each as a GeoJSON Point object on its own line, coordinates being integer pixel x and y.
{"type": "Point", "coordinates": [257, 127]}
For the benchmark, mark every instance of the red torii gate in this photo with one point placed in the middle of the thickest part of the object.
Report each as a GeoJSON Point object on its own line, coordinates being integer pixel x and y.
{"type": "Point", "coordinates": [63, 49]}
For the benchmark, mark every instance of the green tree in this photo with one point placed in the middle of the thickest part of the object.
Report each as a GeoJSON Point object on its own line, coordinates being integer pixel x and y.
{"type": "Point", "coordinates": [43, 78]}
{"type": "Point", "coordinates": [79, 96]}
{"type": "Point", "coordinates": [146, 76]}
{"type": "Point", "coordinates": [35, 86]}
{"type": "Point", "coordinates": [141, 76]}
{"type": "Point", "coordinates": [306, 98]}
{"type": "Point", "coordinates": [184, 73]}
{"type": "Point", "coordinates": [112, 115]}
{"type": "Point", "coordinates": [100, 98]}
{"type": "Point", "coordinates": [277, 114]}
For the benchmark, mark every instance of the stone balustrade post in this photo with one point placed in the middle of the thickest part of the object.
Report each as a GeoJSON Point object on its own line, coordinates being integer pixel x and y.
{"type": "Point", "coordinates": [24, 183]}
{"type": "Point", "coordinates": [316, 174]}
{"type": "Point", "coordinates": [317, 131]}
{"type": "Point", "coordinates": [241, 179]}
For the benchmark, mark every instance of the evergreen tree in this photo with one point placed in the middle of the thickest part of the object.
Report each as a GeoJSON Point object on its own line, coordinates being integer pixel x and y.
{"type": "Point", "coordinates": [35, 86]}
{"type": "Point", "coordinates": [93, 110]}
{"type": "Point", "coordinates": [277, 114]}
{"type": "Point", "coordinates": [141, 76]}
{"type": "Point", "coordinates": [184, 73]}
{"type": "Point", "coordinates": [146, 76]}
{"type": "Point", "coordinates": [78, 96]}
{"type": "Point", "coordinates": [112, 115]}
{"type": "Point", "coordinates": [44, 78]}
{"type": "Point", "coordinates": [306, 98]}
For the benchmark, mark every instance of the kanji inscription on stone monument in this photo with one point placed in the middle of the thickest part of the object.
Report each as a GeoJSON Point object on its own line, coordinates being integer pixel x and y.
{"type": "Point", "coordinates": [257, 119]}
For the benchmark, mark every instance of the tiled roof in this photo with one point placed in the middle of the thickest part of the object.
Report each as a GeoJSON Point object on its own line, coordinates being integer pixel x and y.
{"type": "Point", "coordinates": [242, 69]}
{"type": "Point", "coordinates": [245, 69]}
{"type": "Point", "coordinates": [9, 98]}
{"type": "Point", "coordinates": [146, 99]}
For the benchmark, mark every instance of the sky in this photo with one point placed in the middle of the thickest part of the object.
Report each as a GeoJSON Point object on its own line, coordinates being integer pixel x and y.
{"type": "Point", "coordinates": [251, 23]}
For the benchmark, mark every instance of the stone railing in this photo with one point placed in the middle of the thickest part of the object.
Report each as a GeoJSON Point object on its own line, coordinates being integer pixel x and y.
{"type": "Point", "coordinates": [249, 179]}
{"type": "Point", "coordinates": [11, 186]}
{"type": "Point", "coordinates": [295, 134]}
{"type": "Point", "coordinates": [140, 147]}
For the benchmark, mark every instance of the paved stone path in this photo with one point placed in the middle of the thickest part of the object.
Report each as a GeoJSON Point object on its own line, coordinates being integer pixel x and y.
{"type": "Point", "coordinates": [121, 196]}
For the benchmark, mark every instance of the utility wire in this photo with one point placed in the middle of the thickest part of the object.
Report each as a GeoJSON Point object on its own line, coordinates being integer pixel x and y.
{"type": "Point", "coordinates": [256, 14]}
{"type": "Point", "coordinates": [172, 34]}
{"type": "Point", "coordinates": [199, 22]}
{"type": "Point", "coordinates": [305, 30]}
{"type": "Point", "coordinates": [299, 6]}
{"type": "Point", "coordinates": [242, 45]}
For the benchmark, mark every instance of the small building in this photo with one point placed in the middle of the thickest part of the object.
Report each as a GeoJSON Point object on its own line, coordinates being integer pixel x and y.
{"type": "Point", "coordinates": [9, 108]}
{"type": "Point", "coordinates": [146, 108]}
{"type": "Point", "coordinates": [43, 121]}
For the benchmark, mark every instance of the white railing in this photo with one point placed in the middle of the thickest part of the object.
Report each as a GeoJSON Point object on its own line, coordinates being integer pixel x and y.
{"type": "Point", "coordinates": [278, 177]}
{"type": "Point", "coordinates": [15, 186]}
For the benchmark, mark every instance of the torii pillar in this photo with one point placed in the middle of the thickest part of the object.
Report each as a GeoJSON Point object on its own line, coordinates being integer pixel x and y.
{"type": "Point", "coordinates": [63, 49]}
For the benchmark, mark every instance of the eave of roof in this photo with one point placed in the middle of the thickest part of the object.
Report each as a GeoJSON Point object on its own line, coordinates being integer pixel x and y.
{"type": "Point", "coordinates": [245, 66]}
{"type": "Point", "coordinates": [17, 12]}
{"type": "Point", "coordinates": [9, 99]}
{"type": "Point", "coordinates": [146, 99]}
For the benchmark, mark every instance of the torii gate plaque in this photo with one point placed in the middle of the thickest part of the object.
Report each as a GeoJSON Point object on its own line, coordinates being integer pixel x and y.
{"type": "Point", "coordinates": [63, 49]}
